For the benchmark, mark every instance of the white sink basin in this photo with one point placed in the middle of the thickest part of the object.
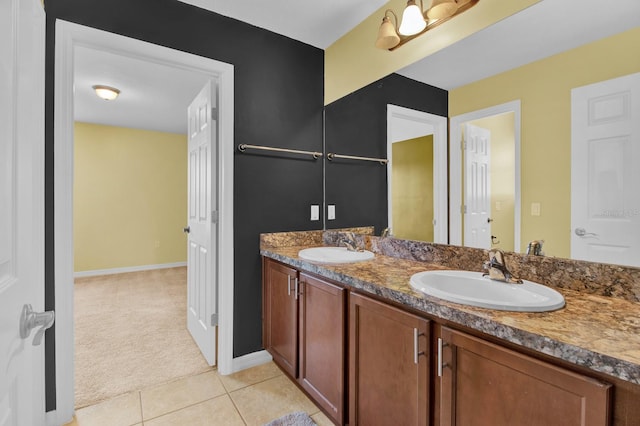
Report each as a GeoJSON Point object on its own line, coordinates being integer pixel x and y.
{"type": "Point", "coordinates": [471, 288]}
{"type": "Point", "coordinates": [334, 255]}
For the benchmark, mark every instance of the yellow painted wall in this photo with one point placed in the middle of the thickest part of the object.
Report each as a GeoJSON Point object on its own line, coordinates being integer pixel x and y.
{"type": "Point", "coordinates": [353, 61]}
{"type": "Point", "coordinates": [502, 176]}
{"type": "Point", "coordinates": [412, 189]}
{"type": "Point", "coordinates": [544, 88]}
{"type": "Point", "coordinates": [130, 197]}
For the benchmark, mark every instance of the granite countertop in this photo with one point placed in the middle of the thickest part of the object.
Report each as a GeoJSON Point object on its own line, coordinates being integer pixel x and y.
{"type": "Point", "coordinates": [598, 332]}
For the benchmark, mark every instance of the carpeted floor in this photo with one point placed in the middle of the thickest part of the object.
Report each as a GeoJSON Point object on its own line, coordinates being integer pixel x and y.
{"type": "Point", "coordinates": [131, 333]}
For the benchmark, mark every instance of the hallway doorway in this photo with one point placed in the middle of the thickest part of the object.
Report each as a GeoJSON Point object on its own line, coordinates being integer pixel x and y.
{"type": "Point", "coordinates": [69, 37]}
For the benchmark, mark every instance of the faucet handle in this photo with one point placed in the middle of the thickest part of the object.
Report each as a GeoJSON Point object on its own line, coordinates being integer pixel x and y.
{"type": "Point", "coordinates": [535, 248]}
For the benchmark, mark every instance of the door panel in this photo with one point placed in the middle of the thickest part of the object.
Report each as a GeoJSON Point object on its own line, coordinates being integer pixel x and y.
{"type": "Point", "coordinates": [202, 205]}
{"type": "Point", "coordinates": [388, 365]}
{"type": "Point", "coordinates": [22, 24]}
{"type": "Point", "coordinates": [281, 316]}
{"type": "Point", "coordinates": [477, 225]}
{"type": "Point", "coordinates": [605, 149]}
{"type": "Point", "coordinates": [322, 343]}
{"type": "Point", "coordinates": [486, 384]}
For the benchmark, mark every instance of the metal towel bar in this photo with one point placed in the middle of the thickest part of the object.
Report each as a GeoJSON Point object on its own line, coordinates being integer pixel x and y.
{"type": "Point", "coordinates": [243, 146]}
{"type": "Point", "coordinates": [331, 156]}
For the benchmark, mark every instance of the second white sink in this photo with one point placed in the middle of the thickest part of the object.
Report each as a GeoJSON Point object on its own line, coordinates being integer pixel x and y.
{"type": "Point", "coordinates": [471, 288]}
{"type": "Point", "coordinates": [334, 255]}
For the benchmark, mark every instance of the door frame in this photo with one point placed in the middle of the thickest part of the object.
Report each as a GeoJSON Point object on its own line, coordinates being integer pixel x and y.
{"type": "Point", "coordinates": [69, 35]}
{"type": "Point", "coordinates": [455, 168]}
{"type": "Point", "coordinates": [396, 117]}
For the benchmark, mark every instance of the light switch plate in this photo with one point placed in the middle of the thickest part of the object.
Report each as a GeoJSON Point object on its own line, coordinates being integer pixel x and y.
{"type": "Point", "coordinates": [535, 209]}
{"type": "Point", "coordinates": [331, 212]}
{"type": "Point", "coordinates": [315, 212]}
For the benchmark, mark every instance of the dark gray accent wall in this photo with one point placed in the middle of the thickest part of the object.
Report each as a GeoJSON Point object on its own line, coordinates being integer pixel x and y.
{"type": "Point", "coordinates": [278, 102]}
{"type": "Point", "coordinates": [357, 125]}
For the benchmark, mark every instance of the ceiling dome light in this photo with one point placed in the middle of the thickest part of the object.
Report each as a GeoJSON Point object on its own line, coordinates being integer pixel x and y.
{"type": "Point", "coordinates": [106, 92]}
{"type": "Point", "coordinates": [412, 20]}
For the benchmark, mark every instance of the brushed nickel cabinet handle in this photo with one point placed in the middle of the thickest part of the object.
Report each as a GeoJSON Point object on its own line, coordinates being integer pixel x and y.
{"type": "Point", "coordinates": [441, 364]}
{"type": "Point", "coordinates": [416, 354]}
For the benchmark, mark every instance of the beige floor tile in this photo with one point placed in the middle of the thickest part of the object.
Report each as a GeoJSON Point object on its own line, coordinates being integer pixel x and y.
{"type": "Point", "coordinates": [270, 399]}
{"type": "Point", "coordinates": [250, 376]}
{"type": "Point", "coordinates": [217, 411]}
{"type": "Point", "coordinates": [178, 394]}
{"type": "Point", "coordinates": [120, 411]}
{"type": "Point", "coordinates": [321, 419]}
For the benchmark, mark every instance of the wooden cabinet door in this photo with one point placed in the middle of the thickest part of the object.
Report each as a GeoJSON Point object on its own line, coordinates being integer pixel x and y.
{"type": "Point", "coordinates": [388, 365]}
{"type": "Point", "coordinates": [281, 315]}
{"type": "Point", "coordinates": [322, 344]}
{"type": "Point", "coordinates": [486, 384]}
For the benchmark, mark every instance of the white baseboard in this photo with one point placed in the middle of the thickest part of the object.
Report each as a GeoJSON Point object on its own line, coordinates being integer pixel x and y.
{"type": "Point", "coordinates": [127, 269]}
{"type": "Point", "coordinates": [247, 361]}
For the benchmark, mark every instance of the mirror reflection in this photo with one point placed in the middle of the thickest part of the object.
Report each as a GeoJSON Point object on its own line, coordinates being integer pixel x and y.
{"type": "Point", "coordinates": [485, 176]}
{"type": "Point", "coordinates": [417, 175]}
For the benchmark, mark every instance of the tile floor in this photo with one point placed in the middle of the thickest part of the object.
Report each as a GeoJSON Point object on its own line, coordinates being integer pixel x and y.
{"type": "Point", "coordinates": [250, 397]}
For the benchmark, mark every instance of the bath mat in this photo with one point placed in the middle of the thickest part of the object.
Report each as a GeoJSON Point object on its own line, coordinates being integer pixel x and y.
{"type": "Point", "coordinates": [299, 418]}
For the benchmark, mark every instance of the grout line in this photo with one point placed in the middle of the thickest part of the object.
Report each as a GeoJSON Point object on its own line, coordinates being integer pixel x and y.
{"type": "Point", "coordinates": [141, 412]}
{"type": "Point", "coordinates": [237, 410]}
{"type": "Point", "coordinates": [186, 406]}
{"type": "Point", "coordinates": [252, 384]}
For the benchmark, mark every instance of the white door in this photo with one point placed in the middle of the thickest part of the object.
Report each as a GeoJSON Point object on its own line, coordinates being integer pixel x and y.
{"type": "Point", "coordinates": [605, 154]}
{"type": "Point", "coordinates": [21, 210]}
{"type": "Point", "coordinates": [477, 189]}
{"type": "Point", "coordinates": [202, 294]}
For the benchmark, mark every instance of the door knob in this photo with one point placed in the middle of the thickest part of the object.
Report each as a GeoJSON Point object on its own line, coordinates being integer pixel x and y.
{"type": "Point", "coordinates": [489, 220]}
{"type": "Point", "coordinates": [186, 230]}
{"type": "Point", "coordinates": [30, 320]}
{"type": "Point", "coordinates": [581, 232]}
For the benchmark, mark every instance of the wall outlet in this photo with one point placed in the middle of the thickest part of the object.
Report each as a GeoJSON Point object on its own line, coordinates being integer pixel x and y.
{"type": "Point", "coordinates": [315, 212]}
{"type": "Point", "coordinates": [535, 209]}
{"type": "Point", "coordinates": [331, 212]}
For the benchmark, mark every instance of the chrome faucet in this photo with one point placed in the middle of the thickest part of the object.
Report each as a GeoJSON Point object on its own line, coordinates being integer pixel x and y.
{"type": "Point", "coordinates": [386, 232]}
{"type": "Point", "coordinates": [497, 268]}
{"type": "Point", "coordinates": [535, 248]}
{"type": "Point", "coordinates": [350, 242]}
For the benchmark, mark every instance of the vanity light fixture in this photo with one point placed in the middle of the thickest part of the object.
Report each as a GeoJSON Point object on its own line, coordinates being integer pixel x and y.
{"type": "Point", "coordinates": [412, 19]}
{"type": "Point", "coordinates": [415, 21]}
{"type": "Point", "coordinates": [106, 92]}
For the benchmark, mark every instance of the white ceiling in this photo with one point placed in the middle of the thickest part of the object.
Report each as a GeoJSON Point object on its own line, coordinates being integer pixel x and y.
{"type": "Point", "coordinates": [318, 23]}
{"type": "Point", "coordinates": [544, 29]}
{"type": "Point", "coordinates": [156, 97]}
{"type": "Point", "coordinates": [152, 96]}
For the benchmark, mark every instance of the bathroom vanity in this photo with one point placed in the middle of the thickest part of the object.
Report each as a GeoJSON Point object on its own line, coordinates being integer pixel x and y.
{"type": "Point", "coordinates": [368, 349]}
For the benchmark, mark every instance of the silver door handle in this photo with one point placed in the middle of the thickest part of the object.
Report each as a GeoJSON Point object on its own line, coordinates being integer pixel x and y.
{"type": "Point", "coordinates": [581, 232]}
{"type": "Point", "coordinates": [186, 229]}
{"type": "Point", "coordinates": [30, 320]}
